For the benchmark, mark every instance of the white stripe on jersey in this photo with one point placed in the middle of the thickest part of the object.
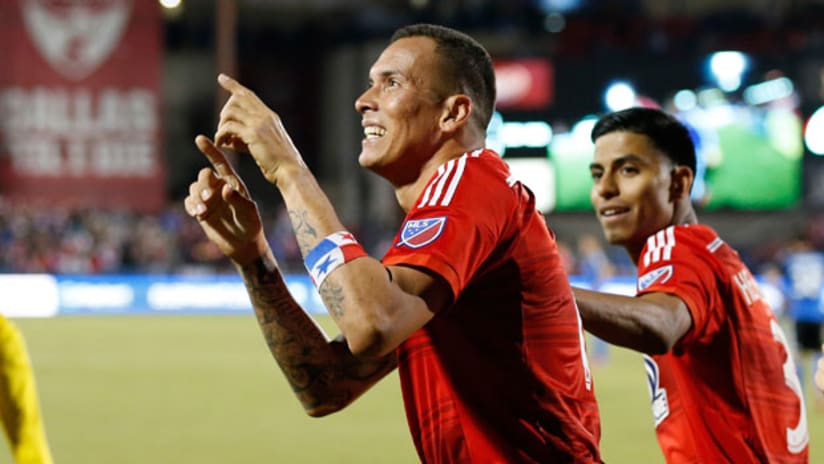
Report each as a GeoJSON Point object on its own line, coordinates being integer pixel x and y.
{"type": "Point", "coordinates": [428, 191]}
{"type": "Point", "coordinates": [435, 190]}
{"type": "Point", "coordinates": [715, 244]}
{"type": "Point", "coordinates": [450, 192]}
{"type": "Point", "coordinates": [660, 246]}
{"type": "Point", "coordinates": [436, 195]}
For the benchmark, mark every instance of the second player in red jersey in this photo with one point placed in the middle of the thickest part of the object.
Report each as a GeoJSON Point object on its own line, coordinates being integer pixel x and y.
{"type": "Point", "coordinates": [728, 387]}
{"type": "Point", "coordinates": [723, 383]}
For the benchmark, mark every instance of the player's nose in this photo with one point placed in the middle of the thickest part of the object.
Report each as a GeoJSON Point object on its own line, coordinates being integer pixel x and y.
{"type": "Point", "coordinates": [366, 101]}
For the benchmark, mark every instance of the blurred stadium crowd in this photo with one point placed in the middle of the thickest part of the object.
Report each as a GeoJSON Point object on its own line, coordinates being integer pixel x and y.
{"type": "Point", "coordinates": [37, 238]}
{"type": "Point", "coordinates": [87, 241]}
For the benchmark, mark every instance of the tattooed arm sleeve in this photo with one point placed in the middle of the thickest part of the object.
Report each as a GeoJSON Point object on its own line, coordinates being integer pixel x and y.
{"type": "Point", "coordinates": [323, 373]}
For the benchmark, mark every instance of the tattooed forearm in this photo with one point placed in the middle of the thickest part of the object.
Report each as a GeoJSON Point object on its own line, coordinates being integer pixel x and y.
{"type": "Point", "coordinates": [266, 290]}
{"type": "Point", "coordinates": [323, 374]}
{"type": "Point", "coordinates": [305, 234]}
{"type": "Point", "coordinates": [332, 296]}
{"type": "Point", "coordinates": [293, 338]}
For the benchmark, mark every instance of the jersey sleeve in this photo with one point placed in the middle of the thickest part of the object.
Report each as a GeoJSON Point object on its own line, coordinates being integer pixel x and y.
{"type": "Point", "coordinates": [457, 221]}
{"type": "Point", "coordinates": [674, 261]}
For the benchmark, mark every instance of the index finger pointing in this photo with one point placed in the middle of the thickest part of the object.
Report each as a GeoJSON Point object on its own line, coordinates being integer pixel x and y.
{"type": "Point", "coordinates": [221, 164]}
{"type": "Point", "coordinates": [215, 156]}
{"type": "Point", "coordinates": [229, 84]}
{"type": "Point", "coordinates": [241, 96]}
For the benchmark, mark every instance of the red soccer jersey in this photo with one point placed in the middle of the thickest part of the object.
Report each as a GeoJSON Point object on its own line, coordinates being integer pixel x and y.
{"type": "Point", "coordinates": [500, 376]}
{"type": "Point", "coordinates": [728, 391]}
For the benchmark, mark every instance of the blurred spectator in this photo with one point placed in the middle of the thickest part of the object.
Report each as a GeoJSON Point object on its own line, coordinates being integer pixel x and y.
{"type": "Point", "coordinates": [593, 262]}
{"type": "Point", "coordinates": [568, 259]}
{"type": "Point", "coordinates": [62, 240]}
{"type": "Point", "coordinates": [804, 267]}
{"type": "Point", "coordinates": [774, 288]}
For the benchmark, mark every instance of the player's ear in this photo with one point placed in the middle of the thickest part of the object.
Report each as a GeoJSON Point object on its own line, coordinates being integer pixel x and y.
{"type": "Point", "coordinates": [456, 111]}
{"type": "Point", "coordinates": [682, 179]}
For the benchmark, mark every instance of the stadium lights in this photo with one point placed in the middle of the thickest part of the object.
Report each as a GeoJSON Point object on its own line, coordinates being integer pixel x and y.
{"type": "Point", "coordinates": [170, 4]}
{"type": "Point", "coordinates": [711, 97]}
{"type": "Point", "coordinates": [728, 68]}
{"type": "Point", "coordinates": [814, 133]}
{"type": "Point", "coordinates": [685, 100]}
{"type": "Point", "coordinates": [767, 91]}
{"type": "Point", "coordinates": [526, 134]}
{"type": "Point", "coordinates": [582, 130]}
{"type": "Point", "coordinates": [563, 6]}
{"type": "Point", "coordinates": [619, 96]}
{"type": "Point", "coordinates": [554, 23]}
{"type": "Point", "coordinates": [511, 134]}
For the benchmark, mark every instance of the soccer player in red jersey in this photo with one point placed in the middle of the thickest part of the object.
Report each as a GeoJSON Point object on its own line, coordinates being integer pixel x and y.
{"type": "Point", "coordinates": [471, 303]}
{"type": "Point", "coordinates": [723, 383]}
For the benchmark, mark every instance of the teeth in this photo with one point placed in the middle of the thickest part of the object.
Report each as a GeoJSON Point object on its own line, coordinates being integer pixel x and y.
{"type": "Point", "coordinates": [611, 211]}
{"type": "Point", "coordinates": [373, 131]}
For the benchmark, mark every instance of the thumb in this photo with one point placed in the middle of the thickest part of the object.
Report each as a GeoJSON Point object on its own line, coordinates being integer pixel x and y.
{"type": "Point", "coordinates": [233, 197]}
{"type": "Point", "coordinates": [245, 208]}
{"type": "Point", "coordinates": [228, 192]}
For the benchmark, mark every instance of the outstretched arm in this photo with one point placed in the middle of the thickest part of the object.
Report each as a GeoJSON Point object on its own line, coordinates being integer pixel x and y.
{"type": "Point", "coordinates": [651, 323]}
{"type": "Point", "coordinates": [323, 373]}
{"type": "Point", "coordinates": [376, 310]}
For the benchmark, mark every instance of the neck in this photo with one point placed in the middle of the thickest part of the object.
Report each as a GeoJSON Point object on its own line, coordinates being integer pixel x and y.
{"type": "Point", "coordinates": [684, 213]}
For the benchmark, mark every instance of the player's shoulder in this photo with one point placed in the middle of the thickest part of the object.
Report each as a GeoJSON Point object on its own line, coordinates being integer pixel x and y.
{"type": "Point", "coordinates": [697, 235]}
{"type": "Point", "coordinates": [685, 241]}
{"type": "Point", "coordinates": [485, 163]}
{"type": "Point", "coordinates": [476, 175]}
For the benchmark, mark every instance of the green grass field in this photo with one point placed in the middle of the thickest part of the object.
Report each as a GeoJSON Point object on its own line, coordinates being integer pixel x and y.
{"type": "Point", "coordinates": [198, 389]}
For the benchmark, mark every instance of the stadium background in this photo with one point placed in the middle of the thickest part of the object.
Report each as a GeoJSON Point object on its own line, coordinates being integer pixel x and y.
{"type": "Point", "coordinates": [153, 355]}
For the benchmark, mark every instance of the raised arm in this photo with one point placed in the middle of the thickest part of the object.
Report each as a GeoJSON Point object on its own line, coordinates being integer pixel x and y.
{"type": "Point", "coordinates": [651, 323]}
{"type": "Point", "coordinates": [376, 308]}
{"type": "Point", "coordinates": [323, 373]}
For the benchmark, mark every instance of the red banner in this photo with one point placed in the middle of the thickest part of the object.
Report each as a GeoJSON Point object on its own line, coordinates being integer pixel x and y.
{"type": "Point", "coordinates": [524, 84]}
{"type": "Point", "coordinates": [80, 102]}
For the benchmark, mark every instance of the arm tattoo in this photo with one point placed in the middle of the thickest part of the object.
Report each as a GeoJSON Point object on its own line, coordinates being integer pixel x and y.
{"type": "Point", "coordinates": [332, 295]}
{"type": "Point", "coordinates": [322, 374]}
{"type": "Point", "coordinates": [305, 234]}
{"type": "Point", "coordinates": [283, 323]}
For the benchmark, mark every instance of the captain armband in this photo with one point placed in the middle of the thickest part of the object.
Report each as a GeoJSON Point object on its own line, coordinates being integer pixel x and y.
{"type": "Point", "coordinates": [333, 251]}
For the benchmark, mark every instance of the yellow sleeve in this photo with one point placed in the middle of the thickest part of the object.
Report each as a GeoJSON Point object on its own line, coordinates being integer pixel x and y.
{"type": "Point", "coordinates": [19, 405]}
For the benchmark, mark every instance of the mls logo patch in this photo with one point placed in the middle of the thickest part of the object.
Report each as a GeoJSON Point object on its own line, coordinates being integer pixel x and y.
{"type": "Point", "coordinates": [660, 275]}
{"type": "Point", "coordinates": [421, 232]}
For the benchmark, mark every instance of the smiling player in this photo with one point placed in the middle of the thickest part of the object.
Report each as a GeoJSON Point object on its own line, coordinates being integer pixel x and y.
{"type": "Point", "coordinates": [723, 383]}
{"type": "Point", "coordinates": [471, 303]}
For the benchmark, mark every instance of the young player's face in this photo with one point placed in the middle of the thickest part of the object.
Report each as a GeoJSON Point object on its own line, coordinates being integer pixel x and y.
{"type": "Point", "coordinates": [631, 189]}
{"type": "Point", "coordinates": [401, 110]}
